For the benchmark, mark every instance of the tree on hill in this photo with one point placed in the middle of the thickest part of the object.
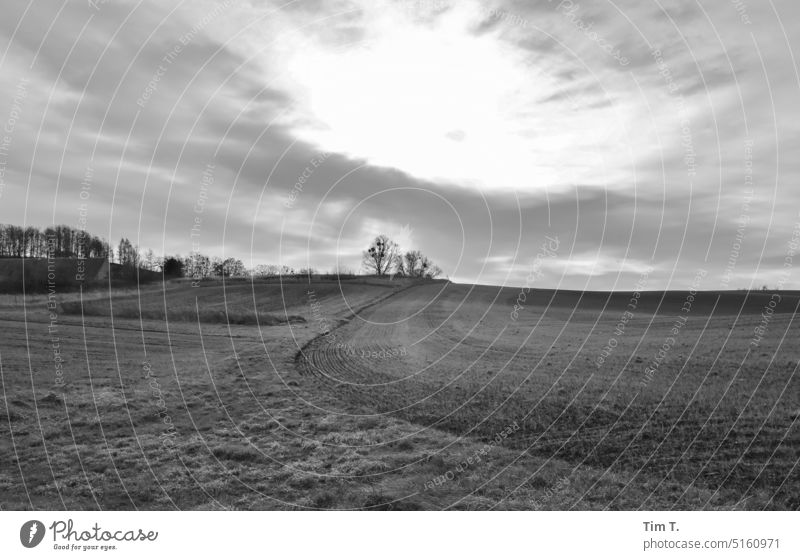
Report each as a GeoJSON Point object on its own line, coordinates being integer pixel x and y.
{"type": "Point", "coordinates": [128, 254]}
{"type": "Point", "coordinates": [266, 270]}
{"type": "Point", "coordinates": [228, 268]}
{"type": "Point", "coordinates": [416, 265]}
{"type": "Point", "coordinates": [55, 241]}
{"type": "Point", "coordinates": [197, 265]}
{"type": "Point", "coordinates": [381, 256]}
{"type": "Point", "coordinates": [150, 261]}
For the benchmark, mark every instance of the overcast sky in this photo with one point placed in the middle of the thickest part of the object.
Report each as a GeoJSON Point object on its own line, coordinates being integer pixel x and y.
{"type": "Point", "coordinates": [627, 130]}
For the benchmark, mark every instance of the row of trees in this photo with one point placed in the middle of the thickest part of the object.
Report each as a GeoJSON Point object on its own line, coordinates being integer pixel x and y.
{"type": "Point", "coordinates": [59, 241]}
{"type": "Point", "coordinates": [382, 258]}
{"type": "Point", "coordinates": [197, 265]}
{"type": "Point", "coordinates": [385, 258]}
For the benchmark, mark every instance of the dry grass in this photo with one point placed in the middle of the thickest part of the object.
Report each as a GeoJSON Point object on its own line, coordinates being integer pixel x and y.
{"type": "Point", "coordinates": [714, 418]}
{"type": "Point", "coordinates": [229, 421]}
{"type": "Point", "coordinates": [128, 309]}
{"type": "Point", "coordinates": [34, 300]}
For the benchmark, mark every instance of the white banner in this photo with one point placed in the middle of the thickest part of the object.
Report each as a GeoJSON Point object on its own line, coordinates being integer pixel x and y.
{"type": "Point", "coordinates": [401, 535]}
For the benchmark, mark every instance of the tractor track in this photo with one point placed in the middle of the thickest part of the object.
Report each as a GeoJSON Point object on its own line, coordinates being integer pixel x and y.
{"type": "Point", "coordinates": [301, 357]}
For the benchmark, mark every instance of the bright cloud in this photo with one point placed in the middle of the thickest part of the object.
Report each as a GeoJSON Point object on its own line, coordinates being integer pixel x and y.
{"type": "Point", "coordinates": [445, 103]}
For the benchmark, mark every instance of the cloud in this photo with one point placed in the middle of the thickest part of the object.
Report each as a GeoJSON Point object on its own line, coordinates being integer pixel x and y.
{"type": "Point", "coordinates": [469, 132]}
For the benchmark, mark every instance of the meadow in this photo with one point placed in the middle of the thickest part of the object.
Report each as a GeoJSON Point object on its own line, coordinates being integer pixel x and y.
{"type": "Point", "coordinates": [380, 394]}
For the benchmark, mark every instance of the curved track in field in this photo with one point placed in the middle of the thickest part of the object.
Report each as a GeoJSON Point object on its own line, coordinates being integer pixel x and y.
{"type": "Point", "coordinates": [422, 341]}
{"type": "Point", "coordinates": [456, 361]}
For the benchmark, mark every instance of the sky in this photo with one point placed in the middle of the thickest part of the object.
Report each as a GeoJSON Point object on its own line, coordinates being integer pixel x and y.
{"type": "Point", "coordinates": [638, 142]}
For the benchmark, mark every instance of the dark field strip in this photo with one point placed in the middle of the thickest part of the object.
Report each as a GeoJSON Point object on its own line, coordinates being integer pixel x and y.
{"type": "Point", "coordinates": [711, 449]}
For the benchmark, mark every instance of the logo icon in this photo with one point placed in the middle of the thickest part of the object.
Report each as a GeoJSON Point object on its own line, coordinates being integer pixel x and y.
{"type": "Point", "coordinates": [31, 533]}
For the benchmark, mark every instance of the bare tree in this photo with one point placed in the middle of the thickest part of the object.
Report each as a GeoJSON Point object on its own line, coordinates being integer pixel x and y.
{"type": "Point", "coordinates": [417, 265]}
{"type": "Point", "coordinates": [197, 265]}
{"type": "Point", "coordinates": [400, 266]}
{"type": "Point", "coordinates": [266, 270]}
{"type": "Point", "coordinates": [57, 241]}
{"type": "Point", "coordinates": [128, 254]}
{"type": "Point", "coordinates": [413, 263]}
{"type": "Point", "coordinates": [433, 272]}
{"type": "Point", "coordinates": [150, 261]}
{"type": "Point", "coordinates": [381, 256]}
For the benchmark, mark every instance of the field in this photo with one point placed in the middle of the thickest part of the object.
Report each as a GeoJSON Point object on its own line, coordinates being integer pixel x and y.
{"type": "Point", "coordinates": [398, 395]}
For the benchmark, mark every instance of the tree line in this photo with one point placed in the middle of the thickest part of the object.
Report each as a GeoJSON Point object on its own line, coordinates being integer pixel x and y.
{"type": "Point", "coordinates": [385, 258]}
{"type": "Point", "coordinates": [382, 258]}
{"type": "Point", "coordinates": [58, 241]}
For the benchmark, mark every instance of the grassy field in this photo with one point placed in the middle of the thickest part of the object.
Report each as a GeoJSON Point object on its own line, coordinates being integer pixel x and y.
{"type": "Point", "coordinates": [718, 414]}
{"type": "Point", "coordinates": [397, 395]}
